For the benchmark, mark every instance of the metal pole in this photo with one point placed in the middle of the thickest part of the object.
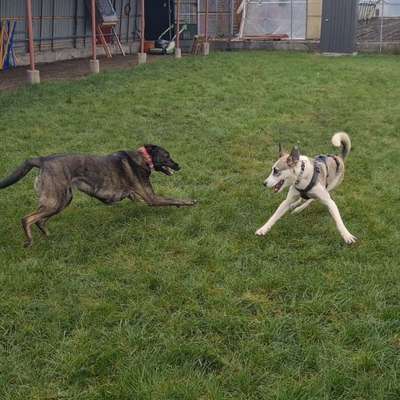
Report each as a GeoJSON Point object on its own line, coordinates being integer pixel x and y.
{"type": "Point", "coordinates": [142, 28]}
{"type": "Point", "coordinates": [307, 20]}
{"type": "Point", "coordinates": [52, 24]}
{"type": "Point", "coordinates": [206, 45]}
{"type": "Point", "coordinates": [30, 34]}
{"type": "Point", "coordinates": [291, 19]}
{"type": "Point", "coordinates": [120, 20]}
{"type": "Point", "coordinates": [232, 17]}
{"type": "Point", "coordinates": [142, 56]}
{"type": "Point", "coordinates": [41, 25]}
{"type": "Point", "coordinates": [127, 23]}
{"type": "Point", "coordinates": [178, 12]}
{"type": "Point", "coordinates": [206, 22]}
{"type": "Point", "coordinates": [93, 12]}
{"type": "Point", "coordinates": [75, 22]}
{"type": "Point", "coordinates": [381, 29]}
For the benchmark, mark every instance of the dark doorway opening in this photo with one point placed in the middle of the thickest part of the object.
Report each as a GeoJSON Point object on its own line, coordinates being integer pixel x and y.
{"type": "Point", "coordinates": [159, 16]}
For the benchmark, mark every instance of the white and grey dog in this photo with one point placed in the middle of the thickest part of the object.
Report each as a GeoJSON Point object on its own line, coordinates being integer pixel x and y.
{"type": "Point", "coordinates": [309, 180]}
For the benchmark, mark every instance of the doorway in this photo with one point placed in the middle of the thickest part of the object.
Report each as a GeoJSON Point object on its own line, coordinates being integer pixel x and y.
{"type": "Point", "coordinates": [159, 16]}
{"type": "Point", "coordinates": [338, 30]}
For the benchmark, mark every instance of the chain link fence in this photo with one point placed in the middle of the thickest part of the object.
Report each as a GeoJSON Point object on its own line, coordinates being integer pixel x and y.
{"type": "Point", "coordinates": [378, 23]}
{"type": "Point", "coordinates": [62, 24]}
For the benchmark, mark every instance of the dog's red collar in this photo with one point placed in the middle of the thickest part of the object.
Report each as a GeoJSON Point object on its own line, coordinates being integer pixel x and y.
{"type": "Point", "coordinates": [147, 158]}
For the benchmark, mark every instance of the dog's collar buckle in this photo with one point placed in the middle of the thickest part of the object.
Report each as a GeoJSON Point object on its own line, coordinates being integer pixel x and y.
{"type": "Point", "coordinates": [147, 158]}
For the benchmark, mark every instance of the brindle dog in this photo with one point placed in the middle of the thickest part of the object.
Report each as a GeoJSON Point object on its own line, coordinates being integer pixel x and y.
{"type": "Point", "coordinates": [111, 178]}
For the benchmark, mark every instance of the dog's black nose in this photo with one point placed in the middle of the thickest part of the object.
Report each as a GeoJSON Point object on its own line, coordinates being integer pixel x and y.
{"type": "Point", "coordinates": [265, 183]}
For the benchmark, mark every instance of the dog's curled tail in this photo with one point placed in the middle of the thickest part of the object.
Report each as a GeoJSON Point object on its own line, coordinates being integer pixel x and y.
{"type": "Point", "coordinates": [342, 140]}
{"type": "Point", "coordinates": [20, 172]}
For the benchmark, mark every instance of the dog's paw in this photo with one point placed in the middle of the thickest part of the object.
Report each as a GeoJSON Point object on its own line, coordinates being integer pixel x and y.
{"type": "Point", "coordinates": [349, 239]}
{"type": "Point", "coordinates": [187, 203]}
{"type": "Point", "coordinates": [28, 244]}
{"type": "Point", "coordinates": [261, 232]}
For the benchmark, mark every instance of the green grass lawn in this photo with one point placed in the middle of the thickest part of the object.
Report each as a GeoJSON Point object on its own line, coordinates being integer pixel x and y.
{"type": "Point", "coordinates": [130, 302]}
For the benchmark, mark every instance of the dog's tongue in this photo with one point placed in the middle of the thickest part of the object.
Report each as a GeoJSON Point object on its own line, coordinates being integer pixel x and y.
{"type": "Point", "coordinates": [278, 186]}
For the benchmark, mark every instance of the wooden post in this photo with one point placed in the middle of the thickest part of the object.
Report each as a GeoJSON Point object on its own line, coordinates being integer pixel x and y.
{"type": "Point", "coordinates": [94, 63]}
{"type": "Point", "coordinates": [142, 56]}
{"type": "Point", "coordinates": [33, 74]}
{"type": "Point", "coordinates": [178, 53]}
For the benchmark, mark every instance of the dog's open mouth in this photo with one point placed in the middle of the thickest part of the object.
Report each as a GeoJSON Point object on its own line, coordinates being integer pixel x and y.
{"type": "Point", "coordinates": [276, 187]}
{"type": "Point", "coordinates": [167, 170]}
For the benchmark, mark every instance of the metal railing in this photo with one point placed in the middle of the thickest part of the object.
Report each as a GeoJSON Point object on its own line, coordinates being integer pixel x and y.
{"type": "Point", "coordinates": [367, 9]}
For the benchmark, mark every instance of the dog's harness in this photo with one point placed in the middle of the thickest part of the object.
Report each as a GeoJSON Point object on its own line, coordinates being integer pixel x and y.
{"type": "Point", "coordinates": [147, 158]}
{"type": "Point", "coordinates": [317, 170]}
{"type": "Point", "coordinates": [323, 158]}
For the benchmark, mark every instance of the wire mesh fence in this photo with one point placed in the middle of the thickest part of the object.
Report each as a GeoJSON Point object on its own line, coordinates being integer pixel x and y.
{"type": "Point", "coordinates": [378, 22]}
{"type": "Point", "coordinates": [60, 24]}
{"type": "Point", "coordinates": [220, 21]}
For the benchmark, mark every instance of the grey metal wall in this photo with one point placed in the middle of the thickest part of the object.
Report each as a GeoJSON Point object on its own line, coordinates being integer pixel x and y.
{"type": "Point", "coordinates": [60, 24]}
{"type": "Point", "coordinates": [338, 29]}
{"type": "Point", "coordinates": [15, 8]}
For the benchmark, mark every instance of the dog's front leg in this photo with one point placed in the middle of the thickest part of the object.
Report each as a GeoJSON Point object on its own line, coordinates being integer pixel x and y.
{"type": "Point", "coordinates": [326, 199]}
{"type": "Point", "coordinates": [157, 201]}
{"type": "Point", "coordinates": [151, 199]}
{"type": "Point", "coordinates": [279, 213]}
{"type": "Point", "coordinates": [146, 193]}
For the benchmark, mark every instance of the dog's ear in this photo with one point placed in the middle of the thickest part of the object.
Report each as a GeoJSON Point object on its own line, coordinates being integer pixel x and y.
{"type": "Point", "coordinates": [151, 149]}
{"type": "Point", "coordinates": [280, 150]}
{"type": "Point", "coordinates": [294, 156]}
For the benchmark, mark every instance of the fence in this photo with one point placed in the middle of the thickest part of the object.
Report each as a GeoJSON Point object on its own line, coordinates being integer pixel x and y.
{"type": "Point", "coordinates": [378, 22]}
{"type": "Point", "coordinates": [59, 24]}
{"type": "Point", "coordinates": [221, 17]}
{"type": "Point", "coordinates": [62, 24]}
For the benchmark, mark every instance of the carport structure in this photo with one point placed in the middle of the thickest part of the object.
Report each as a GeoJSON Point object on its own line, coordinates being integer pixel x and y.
{"type": "Point", "coordinates": [58, 26]}
{"type": "Point", "coordinates": [33, 74]}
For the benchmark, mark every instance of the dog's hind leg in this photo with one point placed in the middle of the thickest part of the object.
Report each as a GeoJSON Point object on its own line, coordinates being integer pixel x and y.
{"type": "Point", "coordinates": [36, 217]}
{"type": "Point", "coordinates": [42, 226]}
{"type": "Point", "coordinates": [299, 209]}
{"type": "Point", "coordinates": [51, 203]}
{"type": "Point", "coordinates": [326, 199]}
{"type": "Point", "coordinates": [296, 204]}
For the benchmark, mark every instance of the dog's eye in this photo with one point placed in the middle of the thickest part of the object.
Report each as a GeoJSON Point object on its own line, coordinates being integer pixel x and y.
{"type": "Point", "coordinates": [275, 171]}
